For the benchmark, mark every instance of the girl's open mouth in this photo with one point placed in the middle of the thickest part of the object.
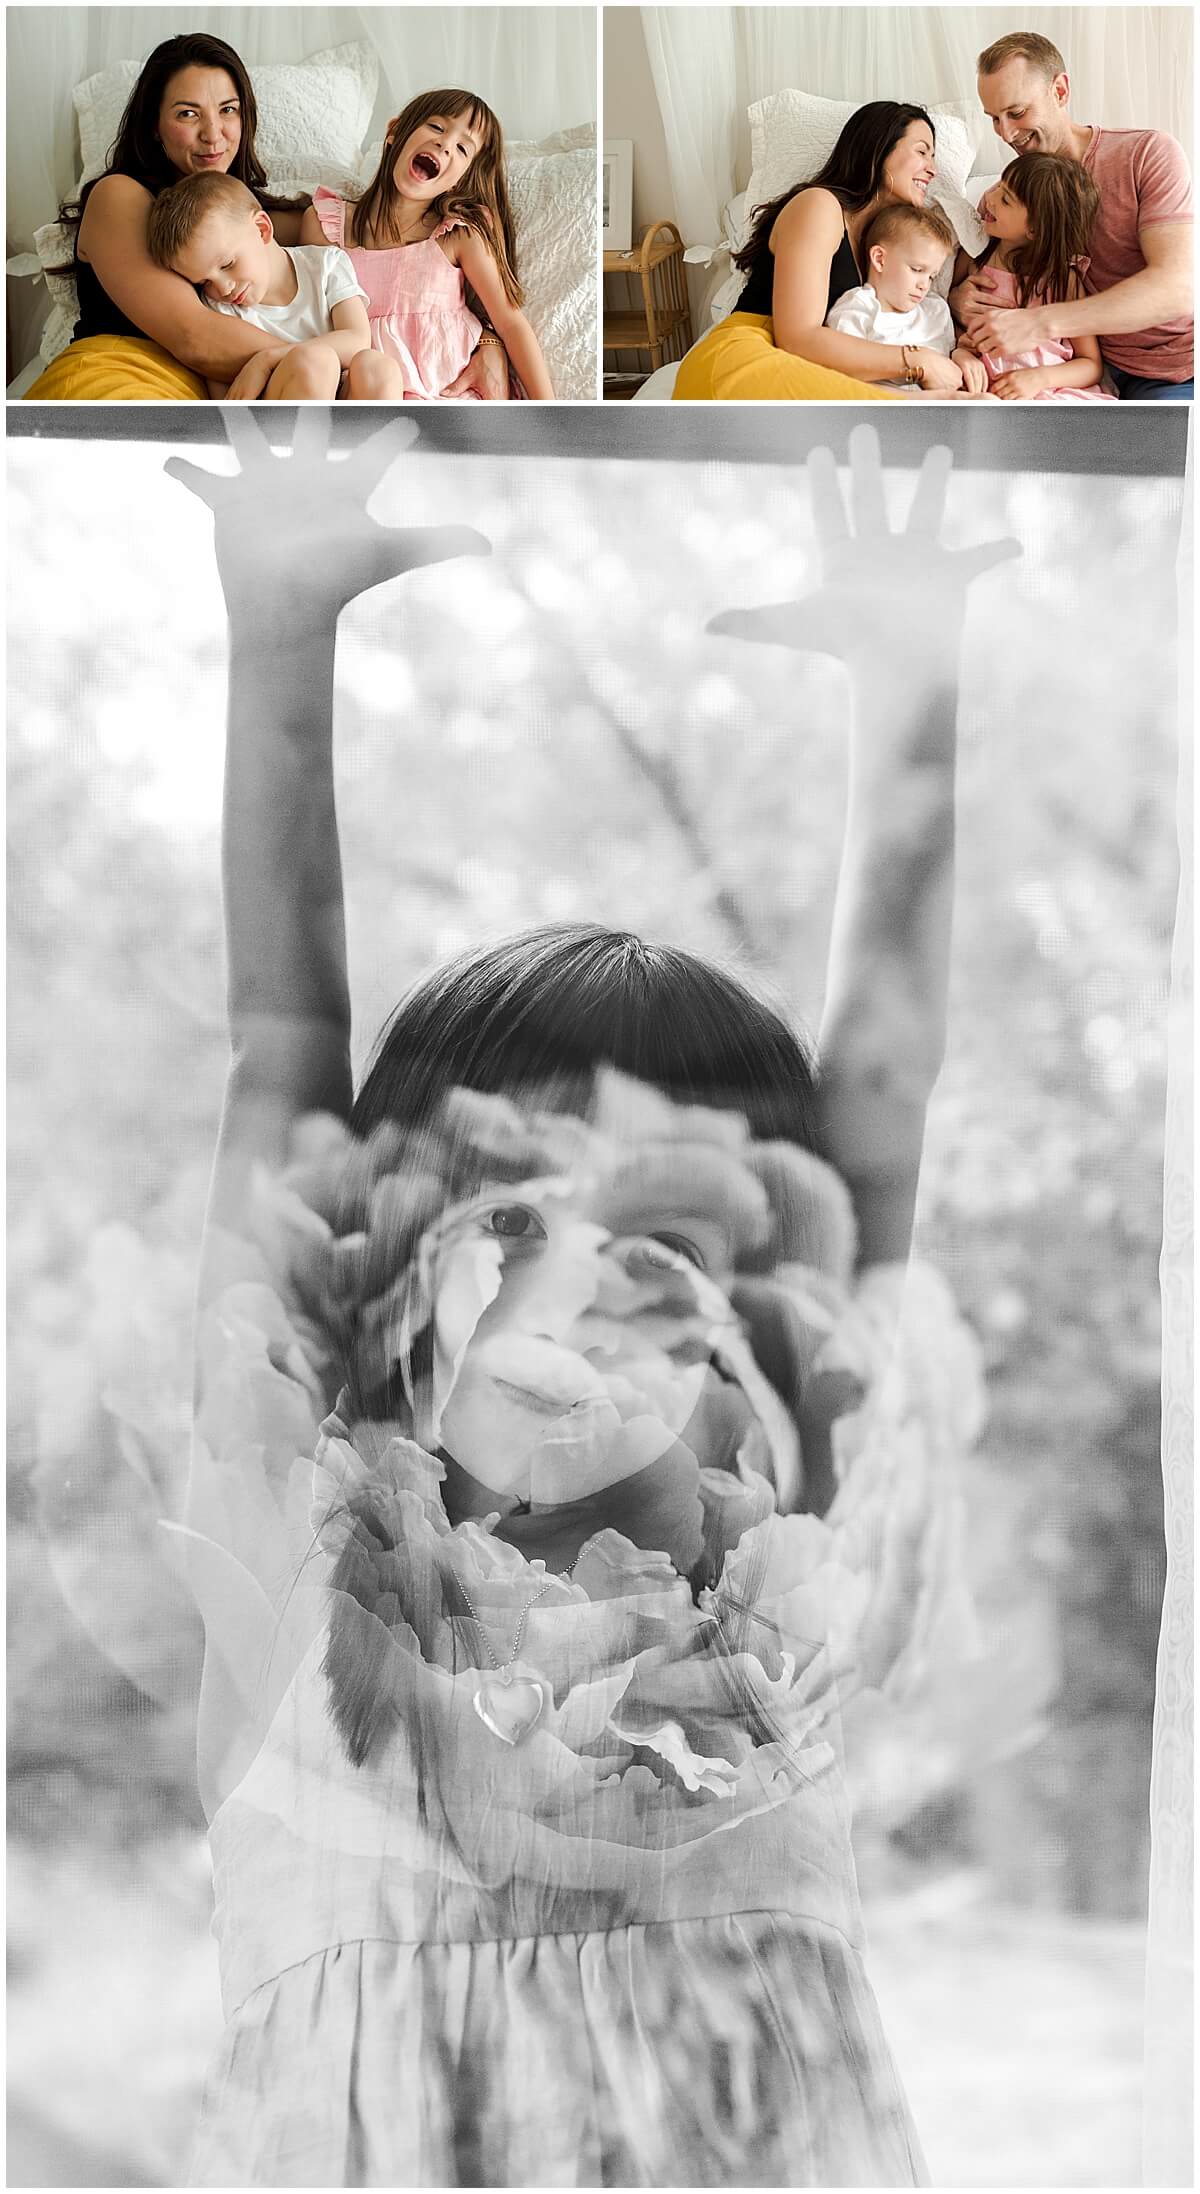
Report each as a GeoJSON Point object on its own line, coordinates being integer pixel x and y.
{"type": "Point", "coordinates": [425, 167]}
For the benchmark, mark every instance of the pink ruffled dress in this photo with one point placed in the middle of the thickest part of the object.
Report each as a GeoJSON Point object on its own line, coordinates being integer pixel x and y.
{"type": "Point", "coordinates": [626, 1950]}
{"type": "Point", "coordinates": [1043, 354]}
{"type": "Point", "coordinates": [416, 303]}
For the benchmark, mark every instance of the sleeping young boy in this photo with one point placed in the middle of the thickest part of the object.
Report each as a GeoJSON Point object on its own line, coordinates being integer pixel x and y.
{"type": "Point", "coordinates": [906, 248]}
{"type": "Point", "coordinates": [212, 230]}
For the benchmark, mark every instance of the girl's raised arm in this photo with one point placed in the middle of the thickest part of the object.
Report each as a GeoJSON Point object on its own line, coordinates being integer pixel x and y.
{"type": "Point", "coordinates": [892, 608]}
{"type": "Point", "coordinates": [294, 544]}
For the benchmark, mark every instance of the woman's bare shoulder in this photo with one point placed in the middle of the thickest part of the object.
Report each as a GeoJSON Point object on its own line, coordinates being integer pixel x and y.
{"type": "Point", "coordinates": [815, 206]}
{"type": "Point", "coordinates": [118, 190]}
{"type": "Point", "coordinates": [814, 212]}
{"type": "Point", "coordinates": [116, 204]}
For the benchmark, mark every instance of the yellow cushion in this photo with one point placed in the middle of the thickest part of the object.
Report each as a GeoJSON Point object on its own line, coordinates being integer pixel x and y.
{"type": "Point", "coordinates": [116, 369]}
{"type": "Point", "coordinates": [737, 362]}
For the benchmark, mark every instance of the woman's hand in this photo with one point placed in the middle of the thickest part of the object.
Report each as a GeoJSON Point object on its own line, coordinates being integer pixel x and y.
{"type": "Point", "coordinates": [937, 372]}
{"type": "Point", "coordinates": [255, 374]}
{"type": "Point", "coordinates": [485, 375]}
{"type": "Point", "coordinates": [890, 605]}
{"type": "Point", "coordinates": [292, 534]}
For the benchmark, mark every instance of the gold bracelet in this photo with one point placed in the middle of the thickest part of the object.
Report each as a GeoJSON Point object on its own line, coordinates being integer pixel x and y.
{"type": "Point", "coordinates": [489, 335]}
{"type": "Point", "coordinates": [912, 373]}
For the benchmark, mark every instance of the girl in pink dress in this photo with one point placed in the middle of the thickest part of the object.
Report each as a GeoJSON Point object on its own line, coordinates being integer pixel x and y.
{"type": "Point", "coordinates": [1039, 217]}
{"type": "Point", "coordinates": [435, 217]}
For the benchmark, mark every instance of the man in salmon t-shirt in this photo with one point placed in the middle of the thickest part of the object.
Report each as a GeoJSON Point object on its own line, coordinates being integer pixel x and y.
{"type": "Point", "coordinates": [1139, 274]}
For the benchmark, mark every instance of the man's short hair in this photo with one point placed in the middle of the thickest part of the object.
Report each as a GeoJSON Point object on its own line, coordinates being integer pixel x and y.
{"type": "Point", "coordinates": [1022, 45]}
{"type": "Point", "coordinates": [177, 213]}
{"type": "Point", "coordinates": [896, 221]}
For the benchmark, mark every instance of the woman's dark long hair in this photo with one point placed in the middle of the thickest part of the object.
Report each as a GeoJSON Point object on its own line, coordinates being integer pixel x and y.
{"type": "Point", "coordinates": [137, 150]}
{"type": "Point", "coordinates": [853, 171]}
{"type": "Point", "coordinates": [534, 1018]}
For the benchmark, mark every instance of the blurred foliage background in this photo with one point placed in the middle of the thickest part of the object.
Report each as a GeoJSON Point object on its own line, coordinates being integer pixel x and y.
{"type": "Point", "coordinates": [555, 735]}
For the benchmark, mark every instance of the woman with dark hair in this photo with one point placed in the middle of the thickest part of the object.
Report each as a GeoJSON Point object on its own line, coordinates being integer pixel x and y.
{"type": "Point", "coordinates": [803, 253]}
{"type": "Point", "coordinates": [143, 333]}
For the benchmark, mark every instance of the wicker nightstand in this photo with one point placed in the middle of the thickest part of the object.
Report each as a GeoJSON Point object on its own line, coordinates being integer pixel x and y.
{"type": "Point", "coordinates": [654, 317]}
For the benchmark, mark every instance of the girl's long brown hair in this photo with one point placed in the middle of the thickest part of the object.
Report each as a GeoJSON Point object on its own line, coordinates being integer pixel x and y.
{"type": "Point", "coordinates": [1062, 202]}
{"type": "Point", "coordinates": [480, 201]}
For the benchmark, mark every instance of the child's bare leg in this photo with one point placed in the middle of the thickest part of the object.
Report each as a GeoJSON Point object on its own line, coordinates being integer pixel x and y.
{"type": "Point", "coordinates": [309, 374]}
{"type": "Point", "coordinates": [373, 379]}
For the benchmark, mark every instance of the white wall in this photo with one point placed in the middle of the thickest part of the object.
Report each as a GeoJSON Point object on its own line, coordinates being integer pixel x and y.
{"type": "Point", "coordinates": [631, 110]}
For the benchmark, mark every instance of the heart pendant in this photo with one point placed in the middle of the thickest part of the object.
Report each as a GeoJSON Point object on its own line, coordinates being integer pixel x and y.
{"type": "Point", "coordinates": [510, 1706]}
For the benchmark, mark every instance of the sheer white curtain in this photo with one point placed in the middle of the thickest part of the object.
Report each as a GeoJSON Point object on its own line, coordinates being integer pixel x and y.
{"type": "Point", "coordinates": [1129, 67]}
{"type": "Point", "coordinates": [1169, 2061]}
{"type": "Point", "coordinates": [536, 66]}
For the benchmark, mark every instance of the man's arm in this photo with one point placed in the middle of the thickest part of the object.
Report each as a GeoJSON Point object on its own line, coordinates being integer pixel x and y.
{"type": "Point", "coordinates": [1159, 293]}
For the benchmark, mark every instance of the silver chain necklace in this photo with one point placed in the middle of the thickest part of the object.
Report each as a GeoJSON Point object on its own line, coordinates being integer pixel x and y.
{"type": "Point", "coordinates": [510, 1706]}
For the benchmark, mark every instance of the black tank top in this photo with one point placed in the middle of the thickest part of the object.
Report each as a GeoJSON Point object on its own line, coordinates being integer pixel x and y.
{"type": "Point", "coordinates": [760, 282]}
{"type": "Point", "coordinates": [97, 313]}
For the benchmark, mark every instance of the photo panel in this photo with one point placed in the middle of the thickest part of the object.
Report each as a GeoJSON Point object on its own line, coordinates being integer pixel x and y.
{"type": "Point", "coordinates": [763, 145]}
{"type": "Point", "coordinates": [468, 238]}
{"type": "Point", "coordinates": [830, 1737]}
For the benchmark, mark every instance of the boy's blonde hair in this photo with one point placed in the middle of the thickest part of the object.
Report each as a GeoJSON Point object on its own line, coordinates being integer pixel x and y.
{"type": "Point", "coordinates": [177, 213]}
{"type": "Point", "coordinates": [1022, 45]}
{"type": "Point", "coordinates": [892, 222]}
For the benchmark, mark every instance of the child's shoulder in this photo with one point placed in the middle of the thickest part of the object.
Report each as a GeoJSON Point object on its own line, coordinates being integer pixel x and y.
{"type": "Point", "coordinates": [463, 224]}
{"type": "Point", "coordinates": [327, 213]}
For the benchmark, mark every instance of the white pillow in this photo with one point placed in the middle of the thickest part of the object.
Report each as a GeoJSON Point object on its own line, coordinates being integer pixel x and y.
{"type": "Point", "coordinates": [792, 134]}
{"type": "Point", "coordinates": [725, 281]}
{"type": "Point", "coordinates": [552, 186]}
{"type": "Point", "coordinates": [312, 114]}
{"type": "Point", "coordinates": [55, 245]}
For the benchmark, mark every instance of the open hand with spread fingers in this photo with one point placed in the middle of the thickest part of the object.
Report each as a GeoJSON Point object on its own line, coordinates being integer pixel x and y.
{"type": "Point", "coordinates": [293, 533]}
{"type": "Point", "coordinates": [890, 599]}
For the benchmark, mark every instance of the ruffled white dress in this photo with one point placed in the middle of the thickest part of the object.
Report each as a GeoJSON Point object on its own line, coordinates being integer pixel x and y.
{"type": "Point", "coordinates": [627, 1950]}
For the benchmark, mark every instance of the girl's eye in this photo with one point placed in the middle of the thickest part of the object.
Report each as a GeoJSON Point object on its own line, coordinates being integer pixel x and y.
{"type": "Point", "coordinates": [513, 1223]}
{"type": "Point", "coordinates": [661, 1253]}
